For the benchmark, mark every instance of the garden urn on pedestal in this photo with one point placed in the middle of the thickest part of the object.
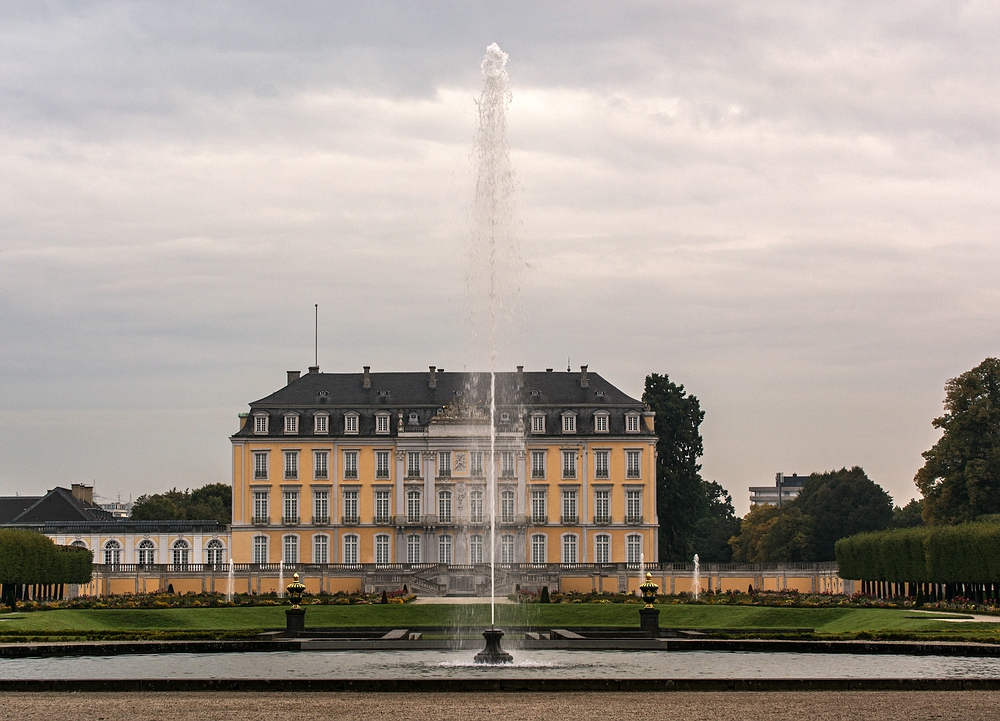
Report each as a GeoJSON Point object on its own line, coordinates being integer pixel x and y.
{"type": "Point", "coordinates": [649, 617]}
{"type": "Point", "coordinates": [295, 617]}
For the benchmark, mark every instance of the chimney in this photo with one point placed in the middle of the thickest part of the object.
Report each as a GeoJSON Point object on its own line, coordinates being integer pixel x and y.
{"type": "Point", "coordinates": [292, 376]}
{"type": "Point", "coordinates": [83, 493]}
{"type": "Point", "coordinates": [314, 369]}
{"type": "Point", "coordinates": [584, 381]}
{"type": "Point", "coordinates": [432, 381]}
{"type": "Point", "coordinates": [367, 382]}
{"type": "Point", "coordinates": [520, 377]}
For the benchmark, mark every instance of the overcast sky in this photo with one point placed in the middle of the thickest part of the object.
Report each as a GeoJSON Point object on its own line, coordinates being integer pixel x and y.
{"type": "Point", "coordinates": [788, 207]}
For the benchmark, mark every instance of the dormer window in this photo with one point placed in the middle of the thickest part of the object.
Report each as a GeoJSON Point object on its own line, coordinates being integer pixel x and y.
{"type": "Point", "coordinates": [382, 423]}
{"type": "Point", "coordinates": [291, 423]}
{"type": "Point", "coordinates": [321, 423]}
{"type": "Point", "coordinates": [505, 417]}
{"type": "Point", "coordinates": [537, 423]}
{"type": "Point", "coordinates": [569, 423]}
{"type": "Point", "coordinates": [631, 422]}
{"type": "Point", "coordinates": [351, 423]}
{"type": "Point", "coordinates": [260, 423]}
{"type": "Point", "coordinates": [600, 423]}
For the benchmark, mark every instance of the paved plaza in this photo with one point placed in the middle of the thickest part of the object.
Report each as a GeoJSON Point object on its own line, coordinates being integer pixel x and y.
{"type": "Point", "coordinates": [762, 706]}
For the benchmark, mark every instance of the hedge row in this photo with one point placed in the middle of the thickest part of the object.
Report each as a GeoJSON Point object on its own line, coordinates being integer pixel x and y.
{"type": "Point", "coordinates": [27, 557]}
{"type": "Point", "coordinates": [969, 553]}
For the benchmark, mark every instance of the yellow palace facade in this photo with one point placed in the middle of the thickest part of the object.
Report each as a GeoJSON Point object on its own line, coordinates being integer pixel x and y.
{"type": "Point", "coordinates": [400, 468]}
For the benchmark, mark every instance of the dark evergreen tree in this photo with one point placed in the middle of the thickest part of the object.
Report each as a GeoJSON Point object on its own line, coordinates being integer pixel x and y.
{"type": "Point", "coordinates": [960, 478]}
{"type": "Point", "coordinates": [213, 502]}
{"type": "Point", "coordinates": [840, 504]}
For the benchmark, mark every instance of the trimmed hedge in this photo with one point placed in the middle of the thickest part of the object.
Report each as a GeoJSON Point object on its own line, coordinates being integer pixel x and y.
{"type": "Point", "coordinates": [27, 557]}
{"type": "Point", "coordinates": [969, 553]}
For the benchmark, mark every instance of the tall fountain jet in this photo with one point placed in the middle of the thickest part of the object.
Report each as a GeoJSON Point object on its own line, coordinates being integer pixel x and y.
{"type": "Point", "coordinates": [490, 279]}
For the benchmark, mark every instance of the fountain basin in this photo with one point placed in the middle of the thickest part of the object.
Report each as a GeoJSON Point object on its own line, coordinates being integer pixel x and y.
{"type": "Point", "coordinates": [493, 655]}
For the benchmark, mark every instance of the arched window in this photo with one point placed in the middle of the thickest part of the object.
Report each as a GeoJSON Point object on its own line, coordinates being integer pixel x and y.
{"type": "Point", "coordinates": [351, 549]}
{"type": "Point", "coordinates": [260, 549]}
{"type": "Point", "coordinates": [382, 554]}
{"type": "Point", "coordinates": [444, 549]}
{"type": "Point", "coordinates": [413, 548]}
{"type": "Point", "coordinates": [569, 548]}
{"type": "Point", "coordinates": [413, 506]}
{"type": "Point", "coordinates": [538, 548]}
{"type": "Point", "coordinates": [146, 553]}
{"type": "Point", "coordinates": [290, 553]}
{"type": "Point", "coordinates": [602, 549]}
{"type": "Point", "coordinates": [321, 548]}
{"type": "Point", "coordinates": [507, 548]}
{"type": "Point", "coordinates": [215, 553]}
{"type": "Point", "coordinates": [633, 548]}
{"type": "Point", "coordinates": [475, 548]}
{"type": "Point", "coordinates": [180, 553]}
{"type": "Point", "coordinates": [112, 553]}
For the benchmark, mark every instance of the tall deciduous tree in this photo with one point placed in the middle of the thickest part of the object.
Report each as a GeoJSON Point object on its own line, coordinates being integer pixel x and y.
{"type": "Point", "coordinates": [680, 493]}
{"type": "Point", "coordinates": [960, 479]}
{"type": "Point", "coordinates": [211, 502]}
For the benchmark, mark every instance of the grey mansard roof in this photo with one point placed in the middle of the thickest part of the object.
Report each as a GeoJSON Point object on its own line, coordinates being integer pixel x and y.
{"type": "Point", "coordinates": [550, 392]}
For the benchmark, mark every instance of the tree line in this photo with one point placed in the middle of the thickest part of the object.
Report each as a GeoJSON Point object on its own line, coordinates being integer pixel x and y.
{"type": "Point", "coordinates": [212, 502]}
{"type": "Point", "coordinates": [28, 558]}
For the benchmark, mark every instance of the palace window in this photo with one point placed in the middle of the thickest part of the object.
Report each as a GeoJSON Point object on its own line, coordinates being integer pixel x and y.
{"type": "Point", "coordinates": [475, 506]}
{"type": "Point", "coordinates": [321, 549]}
{"type": "Point", "coordinates": [321, 465]}
{"type": "Point", "coordinates": [321, 506]}
{"type": "Point", "coordinates": [260, 549]}
{"type": "Point", "coordinates": [601, 464]}
{"type": "Point", "coordinates": [112, 553]}
{"type": "Point", "coordinates": [291, 549]}
{"type": "Point", "coordinates": [506, 506]}
{"type": "Point", "coordinates": [260, 424]}
{"type": "Point", "coordinates": [602, 506]}
{"type": "Point", "coordinates": [413, 507]}
{"type": "Point", "coordinates": [381, 464]}
{"type": "Point", "coordinates": [538, 550]}
{"type": "Point", "coordinates": [351, 548]}
{"type": "Point", "coordinates": [351, 508]}
{"type": "Point", "coordinates": [569, 464]}
{"type": "Point", "coordinates": [477, 464]}
{"type": "Point", "coordinates": [146, 553]}
{"type": "Point", "coordinates": [350, 464]}
{"type": "Point", "coordinates": [507, 464]}
{"type": "Point", "coordinates": [633, 464]}
{"type": "Point", "coordinates": [475, 548]}
{"type": "Point", "coordinates": [382, 507]}
{"type": "Point", "coordinates": [602, 549]}
{"type": "Point", "coordinates": [413, 548]}
{"type": "Point", "coordinates": [444, 464]}
{"type": "Point", "coordinates": [633, 548]}
{"type": "Point", "coordinates": [444, 506]}
{"type": "Point", "coordinates": [444, 549]}
{"type": "Point", "coordinates": [260, 465]}
{"type": "Point", "coordinates": [351, 423]}
{"type": "Point", "coordinates": [290, 507]}
{"type": "Point", "coordinates": [633, 506]}
{"type": "Point", "coordinates": [382, 423]}
{"type": "Point", "coordinates": [413, 469]}
{"type": "Point", "coordinates": [382, 548]}
{"type": "Point", "coordinates": [506, 548]}
{"type": "Point", "coordinates": [601, 422]}
{"type": "Point", "coordinates": [569, 514]}
{"type": "Point", "coordinates": [538, 464]}
{"type": "Point", "coordinates": [569, 423]}
{"type": "Point", "coordinates": [291, 424]}
{"type": "Point", "coordinates": [180, 554]}
{"type": "Point", "coordinates": [261, 512]}
{"type": "Point", "coordinates": [291, 465]}
{"type": "Point", "coordinates": [321, 424]}
{"type": "Point", "coordinates": [569, 548]}
{"type": "Point", "coordinates": [537, 423]}
{"type": "Point", "coordinates": [539, 512]}
{"type": "Point", "coordinates": [632, 423]}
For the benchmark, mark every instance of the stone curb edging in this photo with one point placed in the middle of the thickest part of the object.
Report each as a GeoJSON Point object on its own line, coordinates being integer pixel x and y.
{"type": "Point", "coordinates": [503, 685]}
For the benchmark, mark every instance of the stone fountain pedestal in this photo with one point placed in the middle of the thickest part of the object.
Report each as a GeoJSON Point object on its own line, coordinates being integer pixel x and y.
{"type": "Point", "coordinates": [493, 655]}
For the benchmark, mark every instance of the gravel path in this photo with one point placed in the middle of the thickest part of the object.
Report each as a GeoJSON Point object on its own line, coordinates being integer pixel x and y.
{"type": "Point", "coordinates": [814, 706]}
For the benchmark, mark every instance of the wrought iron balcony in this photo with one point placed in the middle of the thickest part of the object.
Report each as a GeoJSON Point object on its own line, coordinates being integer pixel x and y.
{"type": "Point", "coordinates": [602, 519]}
{"type": "Point", "coordinates": [570, 520]}
{"type": "Point", "coordinates": [290, 520]}
{"type": "Point", "coordinates": [537, 520]}
{"type": "Point", "coordinates": [261, 520]}
{"type": "Point", "coordinates": [633, 520]}
{"type": "Point", "coordinates": [351, 520]}
{"type": "Point", "coordinates": [383, 520]}
{"type": "Point", "coordinates": [321, 520]}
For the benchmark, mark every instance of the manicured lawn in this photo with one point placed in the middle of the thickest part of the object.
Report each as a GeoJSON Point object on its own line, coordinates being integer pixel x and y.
{"type": "Point", "coordinates": [824, 620]}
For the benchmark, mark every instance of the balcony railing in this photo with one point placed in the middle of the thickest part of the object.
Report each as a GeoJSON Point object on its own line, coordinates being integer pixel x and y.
{"type": "Point", "coordinates": [350, 474]}
{"type": "Point", "coordinates": [261, 520]}
{"type": "Point", "coordinates": [602, 519]}
{"type": "Point", "coordinates": [633, 520]}
{"type": "Point", "coordinates": [321, 475]}
{"type": "Point", "coordinates": [382, 475]}
{"type": "Point", "coordinates": [260, 475]}
{"type": "Point", "coordinates": [321, 520]}
{"type": "Point", "coordinates": [537, 520]}
{"type": "Point", "coordinates": [290, 520]}
{"type": "Point", "coordinates": [350, 520]}
{"type": "Point", "coordinates": [570, 520]}
{"type": "Point", "coordinates": [383, 519]}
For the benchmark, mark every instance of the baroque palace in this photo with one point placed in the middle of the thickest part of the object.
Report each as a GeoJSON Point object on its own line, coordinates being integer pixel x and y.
{"type": "Point", "coordinates": [370, 481]}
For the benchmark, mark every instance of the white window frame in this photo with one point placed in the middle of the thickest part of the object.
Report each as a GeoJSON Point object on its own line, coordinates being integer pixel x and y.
{"type": "Point", "coordinates": [507, 548]}
{"type": "Point", "coordinates": [382, 424]}
{"type": "Point", "coordinates": [476, 506]}
{"type": "Point", "coordinates": [145, 553]}
{"type": "Point", "coordinates": [538, 464]}
{"type": "Point", "coordinates": [570, 506]}
{"type": "Point", "coordinates": [569, 464]}
{"type": "Point", "coordinates": [633, 505]}
{"type": "Point", "coordinates": [383, 465]}
{"type": "Point", "coordinates": [632, 422]}
{"type": "Point", "coordinates": [569, 423]}
{"type": "Point", "coordinates": [444, 509]}
{"type": "Point", "coordinates": [291, 465]}
{"type": "Point", "coordinates": [290, 549]}
{"type": "Point", "coordinates": [444, 464]}
{"type": "Point", "coordinates": [602, 505]}
{"type": "Point", "coordinates": [351, 424]}
{"type": "Point", "coordinates": [539, 506]}
{"type": "Point", "coordinates": [445, 549]}
{"type": "Point", "coordinates": [414, 468]}
{"type": "Point", "coordinates": [601, 422]}
{"type": "Point", "coordinates": [508, 465]}
{"type": "Point", "coordinates": [112, 553]}
{"type": "Point", "coordinates": [602, 464]}
{"type": "Point", "coordinates": [321, 506]}
{"type": "Point", "coordinates": [260, 424]}
{"type": "Point", "coordinates": [570, 548]}
{"type": "Point", "coordinates": [538, 422]}
{"type": "Point", "coordinates": [260, 549]}
{"type": "Point", "coordinates": [414, 507]}
{"type": "Point", "coordinates": [383, 549]}
{"type": "Point", "coordinates": [321, 548]}
{"type": "Point", "coordinates": [413, 548]}
{"type": "Point", "coordinates": [507, 507]}
{"type": "Point", "coordinates": [476, 464]}
{"type": "Point", "coordinates": [383, 506]}
{"type": "Point", "coordinates": [602, 548]}
{"type": "Point", "coordinates": [476, 546]}
{"type": "Point", "coordinates": [180, 553]}
{"type": "Point", "coordinates": [321, 424]}
{"type": "Point", "coordinates": [261, 501]}
{"type": "Point", "coordinates": [633, 548]}
{"type": "Point", "coordinates": [633, 463]}
{"type": "Point", "coordinates": [321, 465]}
{"type": "Point", "coordinates": [291, 424]}
{"type": "Point", "coordinates": [539, 548]}
{"type": "Point", "coordinates": [260, 465]}
{"type": "Point", "coordinates": [350, 465]}
{"type": "Point", "coordinates": [350, 506]}
{"type": "Point", "coordinates": [352, 548]}
{"type": "Point", "coordinates": [289, 506]}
